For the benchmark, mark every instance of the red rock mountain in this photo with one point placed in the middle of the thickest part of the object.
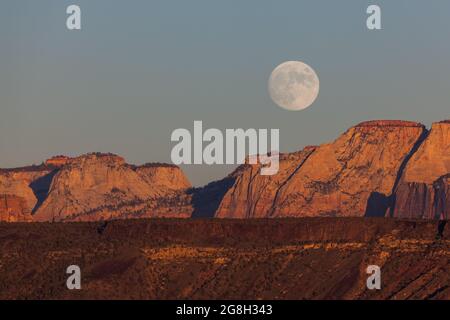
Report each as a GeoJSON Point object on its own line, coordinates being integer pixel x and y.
{"type": "Point", "coordinates": [376, 168]}
{"type": "Point", "coordinates": [14, 209]}
{"type": "Point", "coordinates": [21, 189]}
{"type": "Point", "coordinates": [252, 195]}
{"type": "Point", "coordinates": [90, 187]}
{"type": "Point", "coordinates": [348, 177]}
{"type": "Point", "coordinates": [422, 191]}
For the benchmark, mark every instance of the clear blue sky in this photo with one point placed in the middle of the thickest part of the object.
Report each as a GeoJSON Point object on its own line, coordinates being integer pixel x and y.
{"type": "Point", "coordinates": [140, 69]}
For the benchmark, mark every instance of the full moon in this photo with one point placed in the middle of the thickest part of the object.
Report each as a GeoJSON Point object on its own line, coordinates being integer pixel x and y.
{"type": "Point", "coordinates": [294, 85]}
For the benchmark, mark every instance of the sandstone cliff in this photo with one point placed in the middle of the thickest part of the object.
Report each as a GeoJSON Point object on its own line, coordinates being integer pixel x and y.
{"type": "Point", "coordinates": [376, 168]}
{"type": "Point", "coordinates": [22, 189]}
{"type": "Point", "coordinates": [95, 182]}
{"type": "Point", "coordinates": [252, 195]}
{"type": "Point", "coordinates": [14, 209]}
{"type": "Point", "coordinates": [91, 187]}
{"type": "Point", "coordinates": [57, 161]}
{"type": "Point", "coordinates": [421, 189]}
{"type": "Point", "coordinates": [352, 176]}
{"type": "Point", "coordinates": [163, 177]}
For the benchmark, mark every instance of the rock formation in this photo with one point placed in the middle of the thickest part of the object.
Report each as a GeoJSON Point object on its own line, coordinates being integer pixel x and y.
{"type": "Point", "coordinates": [341, 178]}
{"type": "Point", "coordinates": [90, 187]}
{"type": "Point", "coordinates": [14, 209]}
{"type": "Point", "coordinates": [423, 187]}
{"type": "Point", "coordinates": [374, 169]}
{"type": "Point", "coordinates": [252, 195]}
{"type": "Point", "coordinates": [21, 189]}
{"type": "Point", "coordinates": [163, 176]}
{"type": "Point", "coordinates": [57, 161]}
{"type": "Point", "coordinates": [93, 182]}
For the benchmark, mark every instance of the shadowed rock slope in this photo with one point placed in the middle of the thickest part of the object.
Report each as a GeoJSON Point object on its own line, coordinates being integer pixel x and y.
{"type": "Point", "coordinates": [22, 190]}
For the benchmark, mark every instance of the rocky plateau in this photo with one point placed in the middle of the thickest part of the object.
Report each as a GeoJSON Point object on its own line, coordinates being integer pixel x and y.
{"type": "Point", "coordinates": [381, 168]}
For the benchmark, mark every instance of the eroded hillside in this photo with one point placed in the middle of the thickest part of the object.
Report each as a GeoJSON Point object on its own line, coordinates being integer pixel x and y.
{"type": "Point", "coordinates": [383, 168]}
{"type": "Point", "coordinates": [308, 258]}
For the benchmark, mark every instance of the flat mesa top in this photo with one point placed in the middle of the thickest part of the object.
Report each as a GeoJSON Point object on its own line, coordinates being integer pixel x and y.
{"type": "Point", "coordinates": [390, 123]}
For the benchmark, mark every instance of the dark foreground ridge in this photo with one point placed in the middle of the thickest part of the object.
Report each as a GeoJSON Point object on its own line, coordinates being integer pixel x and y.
{"type": "Point", "coordinates": [307, 258]}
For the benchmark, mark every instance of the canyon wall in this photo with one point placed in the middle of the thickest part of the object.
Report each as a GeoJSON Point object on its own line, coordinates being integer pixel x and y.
{"type": "Point", "coordinates": [375, 169]}
{"type": "Point", "coordinates": [422, 191]}
{"type": "Point", "coordinates": [352, 176]}
{"type": "Point", "coordinates": [252, 195]}
{"type": "Point", "coordinates": [90, 187]}
{"type": "Point", "coordinates": [21, 190]}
